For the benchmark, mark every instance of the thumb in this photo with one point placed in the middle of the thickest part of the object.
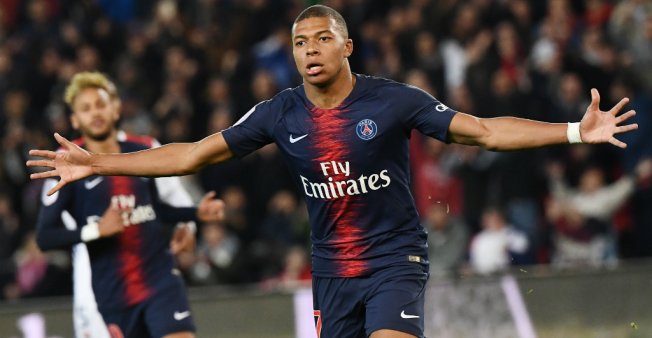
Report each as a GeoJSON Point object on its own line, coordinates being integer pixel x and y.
{"type": "Point", "coordinates": [175, 247]}
{"type": "Point", "coordinates": [62, 141]}
{"type": "Point", "coordinates": [595, 99]}
{"type": "Point", "coordinates": [209, 195]}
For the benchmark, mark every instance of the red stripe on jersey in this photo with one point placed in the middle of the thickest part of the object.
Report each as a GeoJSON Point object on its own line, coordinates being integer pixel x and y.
{"type": "Point", "coordinates": [130, 241]}
{"type": "Point", "coordinates": [78, 142]}
{"type": "Point", "coordinates": [330, 145]}
{"type": "Point", "coordinates": [143, 140]}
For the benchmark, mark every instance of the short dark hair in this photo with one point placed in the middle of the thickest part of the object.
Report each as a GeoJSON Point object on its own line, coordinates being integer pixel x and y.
{"type": "Point", "coordinates": [321, 11]}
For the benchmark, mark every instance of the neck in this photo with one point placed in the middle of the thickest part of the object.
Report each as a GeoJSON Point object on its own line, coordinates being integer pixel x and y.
{"type": "Point", "coordinates": [108, 145]}
{"type": "Point", "coordinates": [333, 93]}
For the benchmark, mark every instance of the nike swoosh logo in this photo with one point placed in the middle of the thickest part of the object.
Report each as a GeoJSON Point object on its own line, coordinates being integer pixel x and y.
{"type": "Point", "coordinates": [181, 315]}
{"type": "Point", "coordinates": [296, 139]}
{"type": "Point", "coordinates": [93, 183]}
{"type": "Point", "coordinates": [404, 316]}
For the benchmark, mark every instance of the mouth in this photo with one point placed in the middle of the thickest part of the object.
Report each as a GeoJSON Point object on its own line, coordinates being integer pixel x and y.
{"type": "Point", "coordinates": [98, 123]}
{"type": "Point", "coordinates": [314, 68]}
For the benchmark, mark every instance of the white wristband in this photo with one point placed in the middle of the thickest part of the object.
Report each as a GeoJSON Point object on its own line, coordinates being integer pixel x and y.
{"type": "Point", "coordinates": [191, 226]}
{"type": "Point", "coordinates": [573, 133]}
{"type": "Point", "coordinates": [90, 232]}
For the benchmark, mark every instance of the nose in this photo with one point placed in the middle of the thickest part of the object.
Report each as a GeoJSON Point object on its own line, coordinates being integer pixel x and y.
{"type": "Point", "coordinates": [312, 49]}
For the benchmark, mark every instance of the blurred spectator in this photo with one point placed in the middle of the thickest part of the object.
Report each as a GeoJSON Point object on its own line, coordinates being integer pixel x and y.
{"type": "Point", "coordinates": [9, 228]}
{"type": "Point", "coordinates": [284, 225]}
{"type": "Point", "coordinates": [295, 273]}
{"type": "Point", "coordinates": [583, 217]}
{"type": "Point", "coordinates": [433, 178]}
{"type": "Point", "coordinates": [235, 212]}
{"type": "Point", "coordinates": [493, 249]}
{"type": "Point", "coordinates": [448, 239]}
{"type": "Point", "coordinates": [274, 54]}
{"type": "Point", "coordinates": [218, 256]}
{"type": "Point", "coordinates": [570, 99]}
{"type": "Point", "coordinates": [38, 274]}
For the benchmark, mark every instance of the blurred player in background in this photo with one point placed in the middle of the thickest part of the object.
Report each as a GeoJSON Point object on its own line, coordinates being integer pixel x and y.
{"type": "Point", "coordinates": [114, 224]}
{"type": "Point", "coordinates": [345, 137]}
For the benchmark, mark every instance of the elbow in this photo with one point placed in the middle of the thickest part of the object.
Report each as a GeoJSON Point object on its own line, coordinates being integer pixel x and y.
{"type": "Point", "coordinates": [186, 169]}
{"type": "Point", "coordinates": [488, 140]}
{"type": "Point", "coordinates": [485, 136]}
{"type": "Point", "coordinates": [490, 145]}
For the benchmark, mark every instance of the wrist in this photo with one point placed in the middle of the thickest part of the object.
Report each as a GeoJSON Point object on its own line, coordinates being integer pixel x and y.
{"type": "Point", "coordinates": [573, 133]}
{"type": "Point", "coordinates": [93, 164]}
{"type": "Point", "coordinates": [191, 226]}
{"type": "Point", "coordinates": [90, 232]}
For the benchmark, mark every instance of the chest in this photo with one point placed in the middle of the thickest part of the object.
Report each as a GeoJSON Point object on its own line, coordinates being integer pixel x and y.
{"type": "Point", "coordinates": [358, 133]}
{"type": "Point", "coordinates": [96, 193]}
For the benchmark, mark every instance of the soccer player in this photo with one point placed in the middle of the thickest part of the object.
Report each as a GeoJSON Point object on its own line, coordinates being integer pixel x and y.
{"type": "Point", "coordinates": [345, 138]}
{"type": "Point", "coordinates": [114, 224]}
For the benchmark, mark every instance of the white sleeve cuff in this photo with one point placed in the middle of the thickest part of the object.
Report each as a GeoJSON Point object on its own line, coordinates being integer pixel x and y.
{"type": "Point", "coordinates": [573, 133]}
{"type": "Point", "coordinates": [191, 225]}
{"type": "Point", "coordinates": [90, 232]}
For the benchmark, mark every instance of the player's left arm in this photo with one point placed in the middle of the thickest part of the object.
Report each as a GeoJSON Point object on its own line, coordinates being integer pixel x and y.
{"type": "Point", "coordinates": [175, 205]}
{"type": "Point", "coordinates": [511, 133]}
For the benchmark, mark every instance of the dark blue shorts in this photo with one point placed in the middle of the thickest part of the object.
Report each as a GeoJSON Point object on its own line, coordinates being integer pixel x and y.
{"type": "Point", "coordinates": [391, 298]}
{"type": "Point", "coordinates": [164, 313]}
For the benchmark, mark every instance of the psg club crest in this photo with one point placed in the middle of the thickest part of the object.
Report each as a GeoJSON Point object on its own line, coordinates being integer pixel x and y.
{"type": "Point", "coordinates": [366, 129]}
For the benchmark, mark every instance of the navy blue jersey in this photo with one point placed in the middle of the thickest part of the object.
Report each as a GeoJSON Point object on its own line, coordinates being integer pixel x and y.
{"type": "Point", "coordinates": [128, 268]}
{"type": "Point", "coordinates": [351, 165]}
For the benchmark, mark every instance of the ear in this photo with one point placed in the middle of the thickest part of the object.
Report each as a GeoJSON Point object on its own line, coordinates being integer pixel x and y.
{"type": "Point", "coordinates": [74, 122]}
{"type": "Point", "coordinates": [117, 107]}
{"type": "Point", "coordinates": [348, 48]}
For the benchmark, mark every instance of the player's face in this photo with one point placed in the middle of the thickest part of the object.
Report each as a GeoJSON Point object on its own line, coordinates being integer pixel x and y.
{"type": "Point", "coordinates": [94, 113]}
{"type": "Point", "coordinates": [320, 50]}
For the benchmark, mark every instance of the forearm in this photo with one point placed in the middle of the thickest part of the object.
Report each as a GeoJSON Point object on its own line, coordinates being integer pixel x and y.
{"type": "Point", "coordinates": [167, 160]}
{"type": "Point", "coordinates": [173, 159]}
{"type": "Point", "coordinates": [173, 215]}
{"type": "Point", "coordinates": [48, 239]}
{"type": "Point", "coordinates": [509, 133]}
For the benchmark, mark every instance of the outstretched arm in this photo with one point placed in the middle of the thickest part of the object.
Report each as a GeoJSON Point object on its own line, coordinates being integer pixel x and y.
{"type": "Point", "coordinates": [510, 133]}
{"type": "Point", "coordinates": [75, 163]}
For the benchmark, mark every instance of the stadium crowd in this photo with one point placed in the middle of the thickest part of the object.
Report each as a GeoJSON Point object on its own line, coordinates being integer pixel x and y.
{"type": "Point", "coordinates": [185, 69]}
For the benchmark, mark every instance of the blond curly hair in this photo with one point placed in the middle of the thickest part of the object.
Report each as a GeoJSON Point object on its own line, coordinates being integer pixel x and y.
{"type": "Point", "coordinates": [85, 80]}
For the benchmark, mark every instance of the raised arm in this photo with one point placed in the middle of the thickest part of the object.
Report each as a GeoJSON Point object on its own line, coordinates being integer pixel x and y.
{"type": "Point", "coordinates": [74, 163]}
{"type": "Point", "coordinates": [510, 133]}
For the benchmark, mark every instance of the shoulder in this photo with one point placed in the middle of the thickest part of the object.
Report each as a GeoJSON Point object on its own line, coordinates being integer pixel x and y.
{"type": "Point", "coordinates": [272, 109]}
{"type": "Point", "coordinates": [137, 142]}
{"type": "Point", "coordinates": [383, 86]}
{"type": "Point", "coordinates": [287, 98]}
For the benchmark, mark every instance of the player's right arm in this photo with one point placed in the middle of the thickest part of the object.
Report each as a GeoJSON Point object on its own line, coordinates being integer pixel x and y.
{"type": "Point", "coordinates": [75, 163]}
{"type": "Point", "coordinates": [52, 233]}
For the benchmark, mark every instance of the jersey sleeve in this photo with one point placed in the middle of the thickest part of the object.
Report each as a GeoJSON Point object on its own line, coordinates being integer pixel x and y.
{"type": "Point", "coordinates": [252, 131]}
{"type": "Point", "coordinates": [51, 232]}
{"type": "Point", "coordinates": [426, 114]}
{"type": "Point", "coordinates": [172, 202]}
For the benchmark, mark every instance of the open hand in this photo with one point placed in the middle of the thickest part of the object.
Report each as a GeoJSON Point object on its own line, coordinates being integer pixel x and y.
{"type": "Point", "coordinates": [210, 209]}
{"type": "Point", "coordinates": [599, 126]}
{"type": "Point", "coordinates": [70, 164]}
